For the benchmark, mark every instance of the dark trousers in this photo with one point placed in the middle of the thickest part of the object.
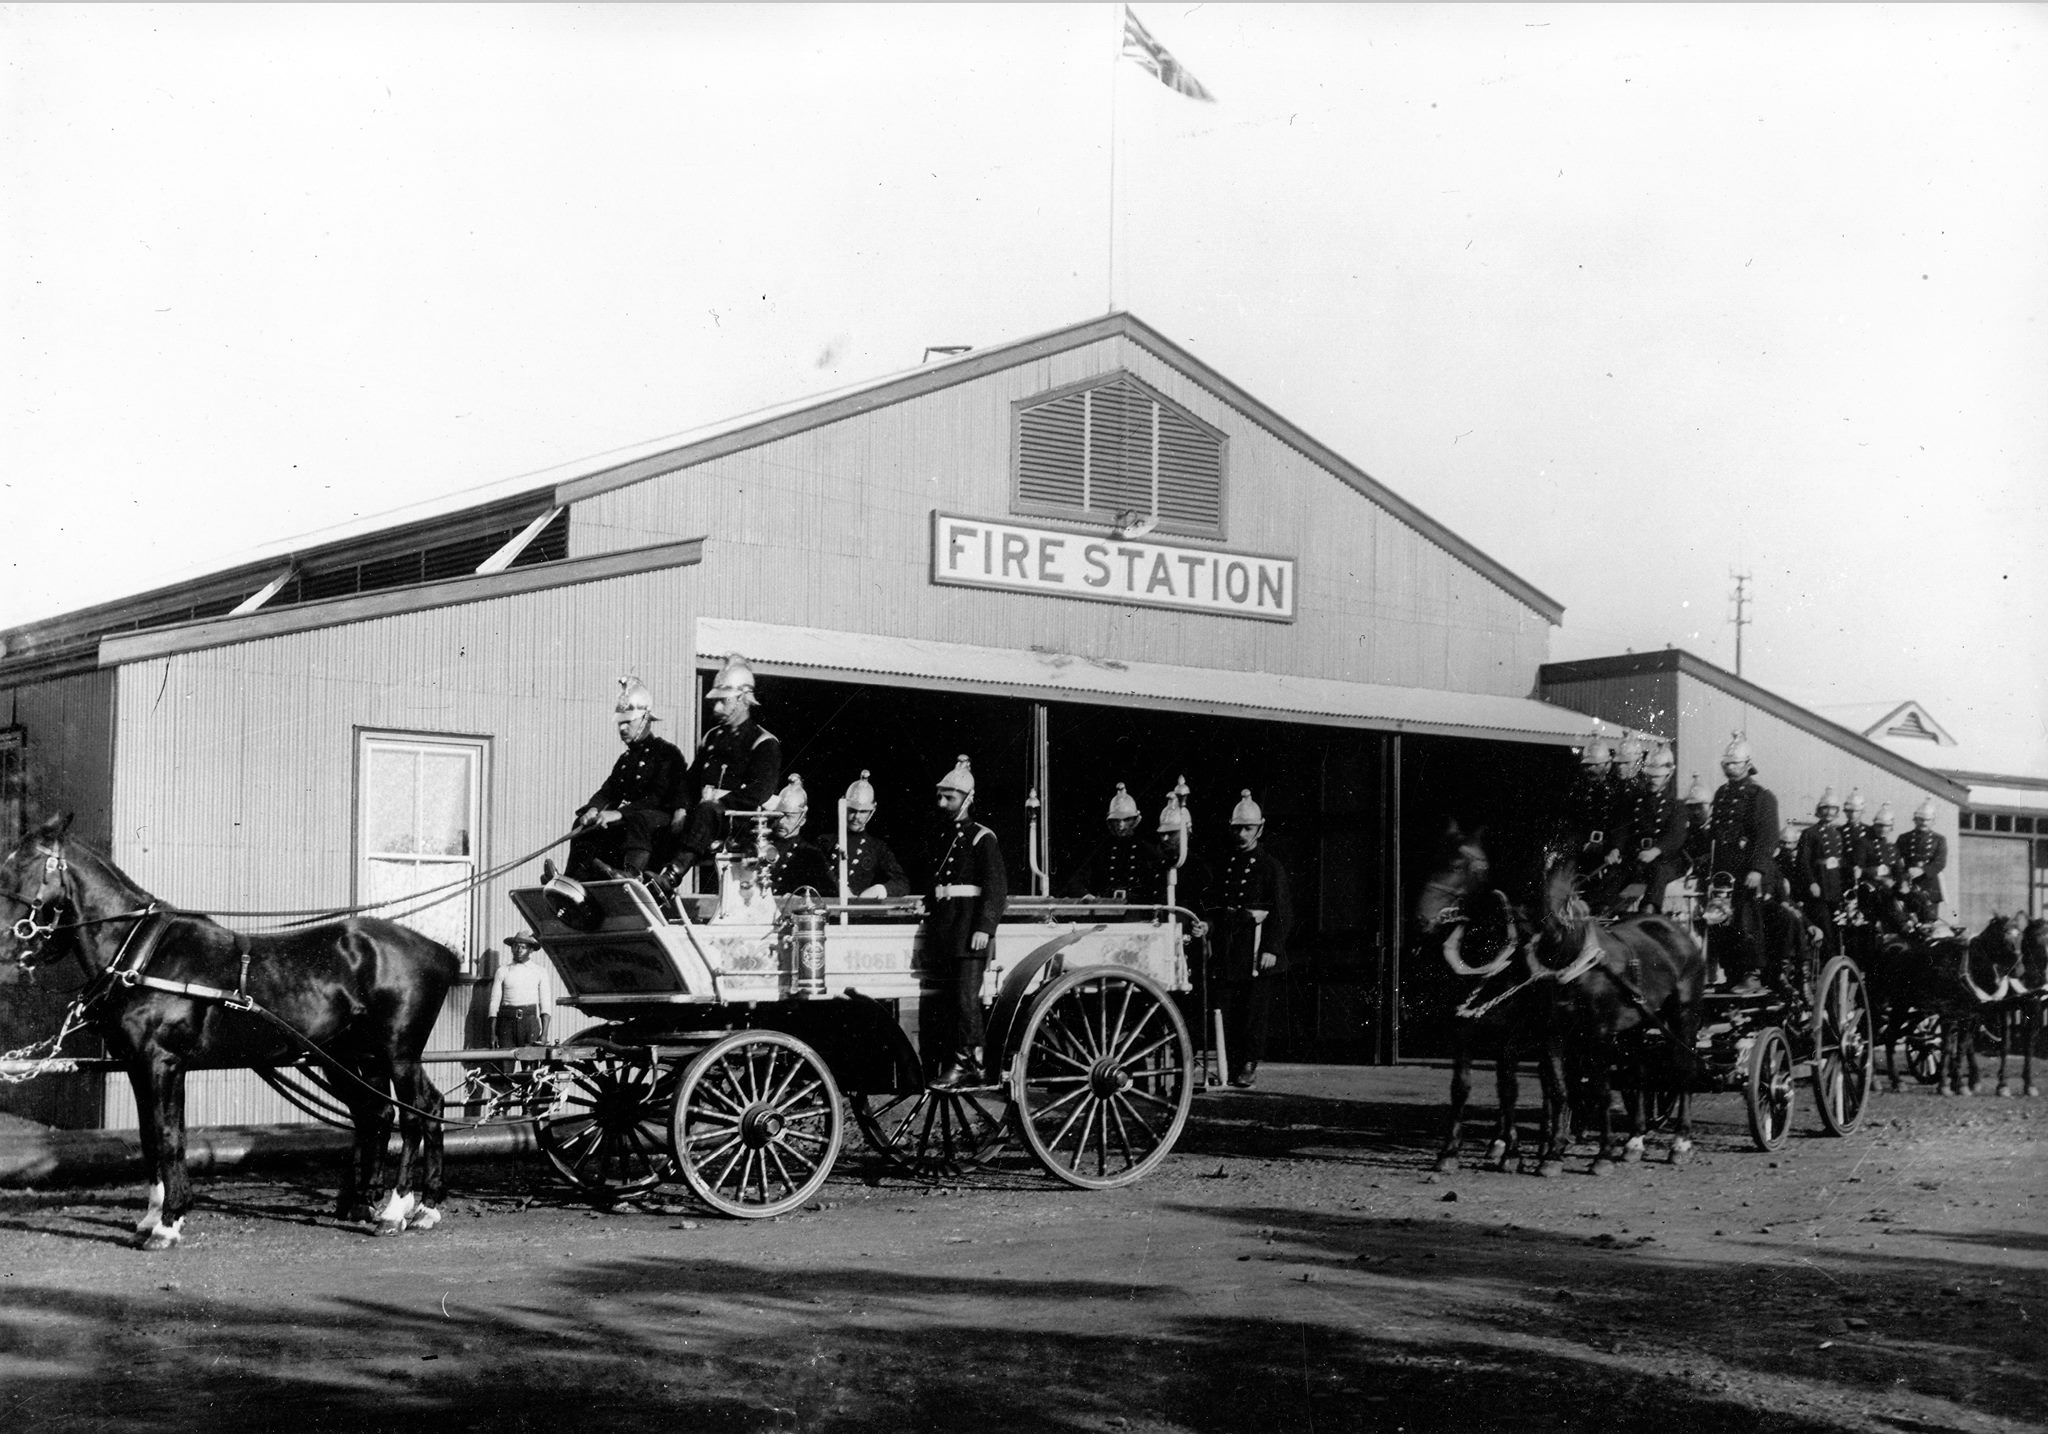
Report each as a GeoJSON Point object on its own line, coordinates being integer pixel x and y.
{"type": "Point", "coordinates": [1660, 874]}
{"type": "Point", "coordinates": [956, 1018]}
{"type": "Point", "coordinates": [1741, 956]}
{"type": "Point", "coordinates": [1819, 911]}
{"type": "Point", "coordinates": [1247, 1008]}
{"type": "Point", "coordinates": [516, 1026]}
{"type": "Point", "coordinates": [624, 844]}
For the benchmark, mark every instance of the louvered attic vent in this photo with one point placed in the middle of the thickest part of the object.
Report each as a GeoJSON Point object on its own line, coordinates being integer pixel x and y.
{"type": "Point", "coordinates": [1114, 448]}
{"type": "Point", "coordinates": [1911, 726]}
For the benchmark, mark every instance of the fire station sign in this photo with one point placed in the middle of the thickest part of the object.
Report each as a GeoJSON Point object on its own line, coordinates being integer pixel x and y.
{"type": "Point", "coordinates": [1056, 562]}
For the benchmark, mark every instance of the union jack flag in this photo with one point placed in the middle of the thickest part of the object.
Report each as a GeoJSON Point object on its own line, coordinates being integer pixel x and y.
{"type": "Point", "coordinates": [1156, 59]}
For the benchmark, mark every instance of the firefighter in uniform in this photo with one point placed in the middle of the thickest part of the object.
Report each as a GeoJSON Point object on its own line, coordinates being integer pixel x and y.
{"type": "Point", "coordinates": [1610, 869]}
{"type": "Point", "coordinates": [1699, 834]}
{"type": "Point", "coordinates": [1589, 809]}
{"type": "Point", "coordinates": [1657, 828]}
{"type": "Point", "coordinates": [1854, 832]}
{"type": "Point", "coordinates": [1745, 816]}
{"type": "Point", "coordinates": [1788, 861]}
{"type": "Point", "coordinates": [798, 861]}
{"type": "Point", "coordinates": [872, 871]}
{"type": "Point", "coordinates": [969, 891]}
{"type": "Point", "coordinates": [736, 769]}
{"type": "Point", "coordinates": [1923, 852]}
{"type": "Point", "coordinates": [616, 829]}
{"type": "Point", "coordinates": [1822, 862]}
{"type": "Point", "coordinates": [1877, 856]}
{"type": "Point", "coordinates": [1126, 867]}
{"type": "Point", "coordinates": [1249, 926]}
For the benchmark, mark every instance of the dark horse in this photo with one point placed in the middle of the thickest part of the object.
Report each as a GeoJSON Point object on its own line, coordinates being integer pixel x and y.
{"type": "Point", "coordinates": [2006, 975]}
{"type": "Point", "coordinates": [1625, 1002]}
{"type": "Point", "coordinates": [1479, 934]}
{"type": "Point", "coordinates": [168, 992]}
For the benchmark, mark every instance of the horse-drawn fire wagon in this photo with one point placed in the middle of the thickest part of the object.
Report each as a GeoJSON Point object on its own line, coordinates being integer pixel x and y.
{"type": "Point", "coordinates": [736, 1030]}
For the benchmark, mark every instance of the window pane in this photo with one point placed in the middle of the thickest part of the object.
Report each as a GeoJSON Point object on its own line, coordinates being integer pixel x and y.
{"type": "Point", "coordinates": [444, 803]}
{"type": "Point", "coordinates": [389, 779]}
{"type": "Point", "coordinates": [446, 920]}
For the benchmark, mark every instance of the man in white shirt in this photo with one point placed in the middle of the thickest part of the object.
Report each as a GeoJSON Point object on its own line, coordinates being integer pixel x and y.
{"type": "Point", "coordinates": [517, 1007]}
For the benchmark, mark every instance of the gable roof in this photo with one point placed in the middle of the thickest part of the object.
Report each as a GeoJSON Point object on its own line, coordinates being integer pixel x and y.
{"type": "Point", "coordinates": [769, 425]}
{"type": "Point", "coordinates": [70, 641]}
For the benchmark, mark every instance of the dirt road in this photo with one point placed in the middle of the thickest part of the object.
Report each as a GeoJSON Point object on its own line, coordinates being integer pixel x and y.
{"type": "Point", "coordinates": [1295, 1267]}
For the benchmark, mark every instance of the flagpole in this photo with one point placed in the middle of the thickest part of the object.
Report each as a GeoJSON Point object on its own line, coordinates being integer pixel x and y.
{"type": "Point", "coordinates": [1116, 14]}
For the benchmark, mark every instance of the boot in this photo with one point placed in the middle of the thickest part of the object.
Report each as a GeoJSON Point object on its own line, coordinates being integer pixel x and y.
{"type": "Point", "coordinates": [959, 1074]}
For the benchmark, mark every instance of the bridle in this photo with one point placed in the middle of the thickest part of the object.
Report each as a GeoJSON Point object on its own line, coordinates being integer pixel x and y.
{"type": "Point", "coordinates": [33, 930]}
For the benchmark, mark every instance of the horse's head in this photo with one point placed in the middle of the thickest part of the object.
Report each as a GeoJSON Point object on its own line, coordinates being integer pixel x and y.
{"type": "Point", "coordinates": [1460, 869]}
{"type": "Point", "coordinates": [35, 895]}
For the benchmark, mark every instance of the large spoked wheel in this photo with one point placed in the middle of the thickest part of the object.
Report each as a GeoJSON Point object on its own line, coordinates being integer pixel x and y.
{"type": "Point", "coordinates": [1768, 1088]}
{"type": "Point", "coordinates": [1923, 1048]}
{"type": "Point", "coordinates": [1844, 1053]}
{"type": "Point", "coordinates": [756, 1125]}
{"type": "Point", "coordinates": [1103, 1077]}
{"type": "Point", "coordinates": [607, 1131]}
{"type": "Point", "coordinates": [934, 1134]}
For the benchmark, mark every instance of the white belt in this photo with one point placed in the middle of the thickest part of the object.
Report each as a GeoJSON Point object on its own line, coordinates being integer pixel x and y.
{"type": "Point", "coordinates": [940, 893]}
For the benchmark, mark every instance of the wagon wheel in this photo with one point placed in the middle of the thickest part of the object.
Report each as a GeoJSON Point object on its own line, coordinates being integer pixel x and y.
{"type": "Point", "coordinates": [604, 1132]}
{"type": "Point", "coordinates": [1103, 1077]}
{"type": "Point", "coordinates": [1768, 1088]}
{"type": "Point", "coordinates": [1923, 1048]}
{"type": "Point", "coordinates": [756, 1124]}
{"type": "Point", "coordinates": [1844, 1054]}
{"type": "Point", "coordinates": [933, 1134]}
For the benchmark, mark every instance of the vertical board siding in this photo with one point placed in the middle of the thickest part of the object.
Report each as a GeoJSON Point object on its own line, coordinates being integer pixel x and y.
{"type": "Point", "coordinates": [234, 766]}
{"type": "Point", "coordinates": [831, 528]}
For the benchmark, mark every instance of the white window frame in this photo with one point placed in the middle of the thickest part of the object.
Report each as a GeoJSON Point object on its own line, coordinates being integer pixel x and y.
{"type": "Point", "coordinates": [478, 750]}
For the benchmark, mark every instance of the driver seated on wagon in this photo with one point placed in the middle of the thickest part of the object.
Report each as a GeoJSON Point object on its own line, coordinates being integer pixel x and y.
{"type": "Point", "coordinates": [737, 766]}
{"type": "Point", "coordinates": [617, 828]}
{"type": "Point", "coordinates": [798, 862]}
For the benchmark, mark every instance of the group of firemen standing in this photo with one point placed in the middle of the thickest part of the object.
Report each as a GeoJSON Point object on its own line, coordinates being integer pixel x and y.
{"type": "Point", "coordinates": [1632, 836]}
{"type": "Point", "coordinates": [658, 817]}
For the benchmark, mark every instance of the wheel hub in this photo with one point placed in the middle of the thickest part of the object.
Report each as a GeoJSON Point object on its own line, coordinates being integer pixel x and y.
{"type": "Point", "coordinates": [1108, 1078]}
{"type": "Point", "coordinates": [761, 1124]}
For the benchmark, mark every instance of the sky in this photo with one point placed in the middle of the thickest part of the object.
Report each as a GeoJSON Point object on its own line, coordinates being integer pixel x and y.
{"type": "Point", "coordinates": [1633, 298]}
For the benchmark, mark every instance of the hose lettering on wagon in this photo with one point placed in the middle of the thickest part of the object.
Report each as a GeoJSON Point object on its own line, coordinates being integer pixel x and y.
{"type": "Point", "coordinates": [1059, 562]}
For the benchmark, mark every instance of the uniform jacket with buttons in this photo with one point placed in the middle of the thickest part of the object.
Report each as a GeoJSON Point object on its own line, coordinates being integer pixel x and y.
{"type": "Point", "coordinates": [970, 856]}
{"type": "Point", "coordinates": [1589, 808]}
{"type": "Point", "coordinates": [1927, 849]}
{"type": "Point", "coordinates": [1699, 840]}
{"type": "Point", "coordinates": [649, 773]}
{"type": "Point", "coordinates": [1824, 862]}
{"type": "Point", "coordinates": [801, 864]}
{"type": "Point", "coordinates": [745, 762]}
{"type": "Point", "coordinates": [1251, 880]}
{"type": "Point", "coordinates": [1129, 864]}
{"type": "Point", "coordinates": [1745, 820]}
{"type": "Point", "coordinates": [1878, 857]}
{"type": "Point", "coordinates": [869, 862]}
{"type": "Point", "coordinates": [1655, 818]}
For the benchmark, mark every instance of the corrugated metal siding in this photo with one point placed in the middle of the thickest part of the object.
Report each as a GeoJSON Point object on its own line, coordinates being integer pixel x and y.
{"type": "Point", "coordinates": [69, 726]}
{"type": "Point", "coordinates": [831, 528]}
{"type": "Point", "coordinates": [69, 723]}
{"type": "Point", "coordinates": [234, 777]}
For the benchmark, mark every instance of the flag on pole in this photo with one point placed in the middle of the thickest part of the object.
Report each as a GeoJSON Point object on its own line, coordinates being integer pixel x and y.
{"type": "Point", "coordinates": [1155, 58]}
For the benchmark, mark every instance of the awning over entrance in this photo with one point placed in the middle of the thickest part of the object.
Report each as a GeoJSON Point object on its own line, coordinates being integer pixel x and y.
{"type": "Point", "coordinates": [1064, 676]}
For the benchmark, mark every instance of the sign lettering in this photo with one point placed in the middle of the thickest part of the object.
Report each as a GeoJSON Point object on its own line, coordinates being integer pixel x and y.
{"type": "Point", "coordinates": [1055, 562]}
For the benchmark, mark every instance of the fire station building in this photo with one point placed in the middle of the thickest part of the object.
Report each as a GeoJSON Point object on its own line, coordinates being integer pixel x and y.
{"type": "Point", "coordinates": [1083, 559]}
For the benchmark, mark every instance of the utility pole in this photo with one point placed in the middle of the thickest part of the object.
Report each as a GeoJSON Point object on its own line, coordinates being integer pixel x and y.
{"type": "Point", "coordinates": [1741, 600]}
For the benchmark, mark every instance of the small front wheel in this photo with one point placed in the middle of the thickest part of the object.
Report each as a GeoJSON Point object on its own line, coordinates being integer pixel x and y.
{"type": "Point", "coordinates": [604, 1132]}
{"type": "Point", "coordinates": [934, 1134]}
{"type": "Point", "coordinates": [1103, 1077]}
{"type": "Point", "coordinates": [756, 1124]}
{"type": "Point", "coordinates": [1844, 1053]}
{"type": "Point", "coordinates": [1768, 1088]}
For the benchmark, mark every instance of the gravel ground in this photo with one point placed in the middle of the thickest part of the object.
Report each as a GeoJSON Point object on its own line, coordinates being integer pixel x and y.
{"type": "Point", "coordinates": [1296, 1266]}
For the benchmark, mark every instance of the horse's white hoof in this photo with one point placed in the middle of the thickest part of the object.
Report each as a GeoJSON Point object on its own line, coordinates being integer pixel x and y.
{"type": "Point", "coordinates": [2004, 1091]}
{"type": "Point", "coordinates": [424, 1218]}
{"type": "Point", "coordinates": [1549, 1169]}
{"type": "Point", "coordinates": [1446, 1163]}
{"type": "Point", "coordinates": [1681, 1152]}
{"type": "Point", "coordinates": [163, 1237]}
{"type": "Point", "coordinates": [2032, 1091]}
{"type": "Point", "coordinates": [1601, 1166]}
